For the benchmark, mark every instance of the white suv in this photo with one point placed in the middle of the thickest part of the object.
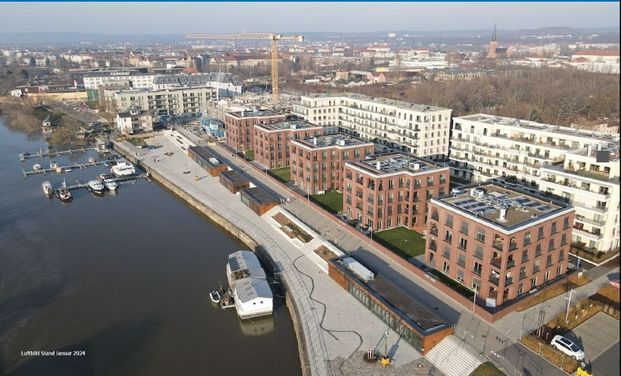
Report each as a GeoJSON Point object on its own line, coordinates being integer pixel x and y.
{"type": "Point", "coordinates": [568, 347]}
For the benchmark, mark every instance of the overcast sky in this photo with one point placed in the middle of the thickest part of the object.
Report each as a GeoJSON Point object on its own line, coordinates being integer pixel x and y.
{"type": "Point", "coordinates": [163, 18]}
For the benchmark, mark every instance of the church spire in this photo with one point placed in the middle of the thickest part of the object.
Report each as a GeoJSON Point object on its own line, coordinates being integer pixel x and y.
{"type": "Point", "coordinates": [494, 34]}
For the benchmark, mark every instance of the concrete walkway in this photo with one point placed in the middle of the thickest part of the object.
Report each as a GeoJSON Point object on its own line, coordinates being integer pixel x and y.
{"type": "Point", "coordinates": [335, 325]}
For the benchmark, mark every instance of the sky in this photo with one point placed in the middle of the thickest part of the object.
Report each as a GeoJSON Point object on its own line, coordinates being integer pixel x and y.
{"type": "Point", "coordinates": [177, 18]}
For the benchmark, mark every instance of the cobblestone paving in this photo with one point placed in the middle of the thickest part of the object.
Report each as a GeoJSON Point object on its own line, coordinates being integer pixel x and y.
{"type": "Point", "coordinates": [356, 366]}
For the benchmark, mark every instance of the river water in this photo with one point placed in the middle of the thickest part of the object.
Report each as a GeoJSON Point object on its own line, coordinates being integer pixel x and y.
{"type": "Point", "coordinates": [123, 280]}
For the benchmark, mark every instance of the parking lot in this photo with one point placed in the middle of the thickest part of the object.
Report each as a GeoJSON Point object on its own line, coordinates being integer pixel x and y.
{"type": "Point", "coordinates": [596, 336]}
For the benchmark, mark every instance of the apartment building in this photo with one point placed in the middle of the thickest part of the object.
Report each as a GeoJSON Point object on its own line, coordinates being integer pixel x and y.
{"type": "Point", "coordinates": [240, 126]}
{"type": "Point", "coordinates": [557, 160]}
{"type": "Point", "coordinates": [179, 101]}
{"type": "Point", "coordinates": [500, 241]}
{"type": "Point", "coordinates": [133, 121]}
{"type": "Point", "coordinates": [317, 163]}
{"type": "Point", "coordinates": [392, 190]}
{"type": "Point", "coordinates": [272, 141]}
{"type": "Point", "coordinates": [395, 125]}
{"type": "Point", "coordinates": [136, 79]}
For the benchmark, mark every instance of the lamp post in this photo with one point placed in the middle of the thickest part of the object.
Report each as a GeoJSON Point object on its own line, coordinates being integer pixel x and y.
{"type": "Point", "coordinates": [474, 299]}
{"type": "Point", "coordinates": [571, 293]}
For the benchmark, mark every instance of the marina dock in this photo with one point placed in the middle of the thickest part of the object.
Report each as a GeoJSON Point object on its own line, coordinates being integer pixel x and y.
{"type": "Point", "coordinates": [53, 154]}
{"type": "Point", "coordinates": [120, 181]}
{"type": "Point", "coordinates": [63, 169]}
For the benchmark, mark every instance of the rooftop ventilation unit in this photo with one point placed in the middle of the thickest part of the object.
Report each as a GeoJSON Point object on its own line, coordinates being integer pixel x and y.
{"type": "Point", "coordinates": [414, 166]}
{"type": "Point", "coordinates": [503, 214]}
{"type": "Point", "coordinates": [477, 193]}
{"type": "Point", "coordinates": [340, 142]}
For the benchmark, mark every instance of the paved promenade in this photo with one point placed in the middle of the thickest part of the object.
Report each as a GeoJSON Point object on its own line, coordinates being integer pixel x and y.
{"type": "Point", "coordinates": [498, 341]}
{"type": "Point", "coordinates": [335, 326]}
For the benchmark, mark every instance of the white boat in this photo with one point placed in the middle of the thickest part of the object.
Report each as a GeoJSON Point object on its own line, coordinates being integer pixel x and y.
{"type": "Point", "coordinates": [36, 167]}
{"type": "Point", "coordinates": [215, 297]}
{"type": "Point", "coordinates": [248, 284]}
{"type": "Point", "coordinates": [123, 168]}
{"type": "Point", "coordinates": [111, 185]}
{"type": "Point", "coordinates": [91, 160]}
{"type": "Point", "coordinates": [96, 186]}
{"type": "Point", "coordinates": [47, 188]}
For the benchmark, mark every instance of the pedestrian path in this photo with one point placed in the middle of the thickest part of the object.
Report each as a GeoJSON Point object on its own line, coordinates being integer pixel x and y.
{"type": "Point", "coordinates": [453, 357]}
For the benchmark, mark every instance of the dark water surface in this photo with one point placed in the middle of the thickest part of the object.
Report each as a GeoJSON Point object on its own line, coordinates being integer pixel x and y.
{"type": "Point", "coordinates": [123, 278]}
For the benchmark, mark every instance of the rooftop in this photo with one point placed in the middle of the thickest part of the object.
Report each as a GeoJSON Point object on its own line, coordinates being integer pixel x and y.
{"type": "Point", "coordinates": [248, 275]}
{"type": "Point", "coordinates": [402, 304]}
{"type": "Point", "coordinates": [258, 195]}
{"type": "Point", "coordinates": [207, 156]}
{"type": "Point", "coordinates": [531, 125]}
{"type": "Point", "coordinates": [338, 140]}
{"type": "Point", "coordinates": [507, 208]}
{"type": "Point", "coordinates": [394, 162]}
{"type": "Point", "coordinates": [234, 177]}
{"type": "Point", "coordinates": [380, 100]}
{"type": "Point", "coordinates": [254, 113]}
{"type": "Point", "coordinates": [294, 124]}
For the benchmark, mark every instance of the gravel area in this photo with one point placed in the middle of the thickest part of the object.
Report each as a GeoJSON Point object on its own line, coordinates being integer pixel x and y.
{"type": "Point", "coordinates": [356, 366]}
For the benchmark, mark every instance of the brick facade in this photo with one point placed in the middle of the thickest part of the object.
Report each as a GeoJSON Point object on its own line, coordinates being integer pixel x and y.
{"type": "Point", "coordinates": [272, 143]}
{"type": "Point", "coordinates": [240, 127]}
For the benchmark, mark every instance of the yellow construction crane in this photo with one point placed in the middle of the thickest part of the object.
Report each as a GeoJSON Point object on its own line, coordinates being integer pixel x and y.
{"type": "Point", "coordinates": [256, 36]}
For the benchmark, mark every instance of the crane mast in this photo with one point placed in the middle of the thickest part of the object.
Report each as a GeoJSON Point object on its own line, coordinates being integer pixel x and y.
{"type": "Point", "coordinates": [274, 38]}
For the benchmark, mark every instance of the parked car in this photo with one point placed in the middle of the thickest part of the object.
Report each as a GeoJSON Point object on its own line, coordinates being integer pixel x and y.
{"type": "Point", "coordinates": [566, 346]}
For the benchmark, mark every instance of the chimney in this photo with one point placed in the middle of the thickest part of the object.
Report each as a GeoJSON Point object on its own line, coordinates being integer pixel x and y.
{"type": "Point", "coordinates": [503, 214]}
{"type": "Point", "coordinates": [378, 165]}
{"type": "Point", "coordinates": [315, 141]}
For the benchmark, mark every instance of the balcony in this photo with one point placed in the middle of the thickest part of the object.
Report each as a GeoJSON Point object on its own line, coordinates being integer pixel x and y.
{"type": "Point", "coordinates": [508, 281]}
{"type": "Point", "coordinates": [495, 280]}
{"type": "Point", "coordinates": [497, 262]}
{"type": "Point", "coordinates": [498, 246]}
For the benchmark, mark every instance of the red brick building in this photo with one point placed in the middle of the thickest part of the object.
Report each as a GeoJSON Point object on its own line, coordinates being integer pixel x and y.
{"type": "Point", "coordinates": [272, 141]}
{"type": "Point", "coordinates": [392, 190]}
{"type": "Point", "coordinates": [317, 163]}
{"type": "Point", "coordinates": [240, 126]}
{"type": "Point", "coordinates": [502, 242]}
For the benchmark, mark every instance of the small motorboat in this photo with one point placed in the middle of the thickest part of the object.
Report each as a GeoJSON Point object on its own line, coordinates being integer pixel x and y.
{"type": "Point", "coordinates": [36, 167]}
{"type": "Point", "coordinates": [91, 160]}
{"type": "Point", "coordinates": [47, 188]}
{"type": "Point", "coordinates": [64, 194]}
{"type": "Point", "coordinates": [67, 169]}
{"type": "Point", "coordinates": [96, 186]}
{"type": "Point", "coordinates": [111, 185]}
{"type": "Point", "coordinates": [215, 297]}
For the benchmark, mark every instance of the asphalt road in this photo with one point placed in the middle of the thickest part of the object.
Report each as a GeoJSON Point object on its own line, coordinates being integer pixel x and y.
{"type": "Point", "coordinates": [607, 364]}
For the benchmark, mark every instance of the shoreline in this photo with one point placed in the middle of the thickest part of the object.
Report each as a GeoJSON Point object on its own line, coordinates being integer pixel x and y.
{"type": "Point", "coordinates": [238, 233]}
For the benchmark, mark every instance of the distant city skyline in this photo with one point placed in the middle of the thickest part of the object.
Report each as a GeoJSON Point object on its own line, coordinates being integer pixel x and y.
{"type": "Point", "coordinates": [177, 18]}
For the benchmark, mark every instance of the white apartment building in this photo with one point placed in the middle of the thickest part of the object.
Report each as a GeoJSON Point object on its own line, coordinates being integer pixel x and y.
{"type": "Point", "coordinates": [133, 121]}
{"type": "Point", "coordinates": [397, 125]}
{"type": "Point", "coordinates": [138, 80]}
{"type": "Point", "coordinates": [557, 160]}
{"type": "Point", "coordinates": [178, 101]}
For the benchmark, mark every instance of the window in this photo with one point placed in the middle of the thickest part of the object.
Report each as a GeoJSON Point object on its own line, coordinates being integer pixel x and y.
{"type": "Point", "coordinates": [464, 228]}
{"type": "Point", "coordinates": [460, 276]}
{"type": "Point", "coordinates": [565, 223]}
{"type": "Point", "coordinates": [525, 255]}
{"type": "Point", "coordinates": [563, 239]}
{"type": "Point", "coordinates": [463, 243]}
{"type": "Point", "coordinates": [480, 235]}
{"type": "Point", "coordinates": [447, 252]}
{"type": "Point", "coordinates": [461, 260]}
{"type": "Point", "coordinates": [445, 266]}
{"type": "Point", "coordinates": [478, 252]}
{"type": "Point", "coordinates": [449, 221]}
{"type": "Point", "coordinates": [476, 284]}
{"type": "Point", "coordinates": [512, 244]}
{"type": "Point", "coordinates": [540, 233]}
{"type": "Point", "coordinates": [551, 245]}
{"type": "Point", "coordinates": [476, 268]}
{"type": "Point", "coordinates": [448, 237]}
{"type": "Point", "coordinates": [538, 250]}
{"type": "Point", "coordinates": [554, 229]}
{"type": "Point", "coordinates": [526, 239]}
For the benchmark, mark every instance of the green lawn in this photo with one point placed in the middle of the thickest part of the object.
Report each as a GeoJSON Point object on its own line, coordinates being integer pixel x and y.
{"type": "Point", "coordinates": [249, 155]}
{"type": "Point", "coordinates": [331, 201]}
{"type": "Point", "coordinates": [405, 242]}
{"type": "Point", "coordinates": [487, 369]}
{"type": "Point", "coordinates": [283, 174]}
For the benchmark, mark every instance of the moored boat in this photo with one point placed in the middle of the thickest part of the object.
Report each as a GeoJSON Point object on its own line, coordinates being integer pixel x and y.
{"type": "Point", "coordinates": [123, 168]}
{"type": "Point", "coordinates": [248, 284]}
{"type": "Point", "coordinates": [215, 297]}
{"type": "Point", "coordinates": [96, 186]}
{"type": "Point", "coordinates": [36, 167]}
{"type": "Point", "coordinates": [64, 194]}
{"type": "Point", "coordinates": [47, 188]}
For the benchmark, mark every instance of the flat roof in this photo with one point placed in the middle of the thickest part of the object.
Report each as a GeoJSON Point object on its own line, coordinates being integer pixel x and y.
{"type": "Point", "coordinates": [292, 124]}
{"type": "Point", "coordinates": [338, 140]}
{"type": "Point", "coordinates": [254, 113]}
{"type": "Point", "coordinates": [206, 155]}
{"type": "Point", "coordinates": [531, 125]}
{"type": "Point", "coordinates": [403, 305]}
{"type": "Point", "coordinates": [234, 176]}
{"type": "Point", "coordinates": [486, 202]}
{"type": "Point", "coordinates": [395, 162]}
{"type": "Point", "coordinates": [381, 100]}
{"type": "Point", "coordinates": [259, 196]}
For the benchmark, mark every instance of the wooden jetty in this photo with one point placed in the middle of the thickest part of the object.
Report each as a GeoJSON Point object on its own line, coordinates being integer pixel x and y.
{"type": "Point", "coordinates": [120, 181]}
{"type": "Point", "coordinates": [52, 154]}
{"type": "Point", "coordinates": [63, 169]}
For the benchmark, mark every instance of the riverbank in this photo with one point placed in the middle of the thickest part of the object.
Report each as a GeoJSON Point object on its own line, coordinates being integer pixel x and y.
{"type": "Point", "coordinates": [312, 353]}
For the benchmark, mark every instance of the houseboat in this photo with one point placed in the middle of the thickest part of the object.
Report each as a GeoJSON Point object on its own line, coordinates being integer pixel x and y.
{"type": "Point", "coordinates": [248, 285]}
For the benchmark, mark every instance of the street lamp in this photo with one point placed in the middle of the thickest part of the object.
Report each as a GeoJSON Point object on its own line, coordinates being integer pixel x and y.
{"type": "Point", "coordinates": [571, 293]}
{"type": "Point", "coordinates": [474, 298]}
{"type": "Point", "coordinates": [371, 230]}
